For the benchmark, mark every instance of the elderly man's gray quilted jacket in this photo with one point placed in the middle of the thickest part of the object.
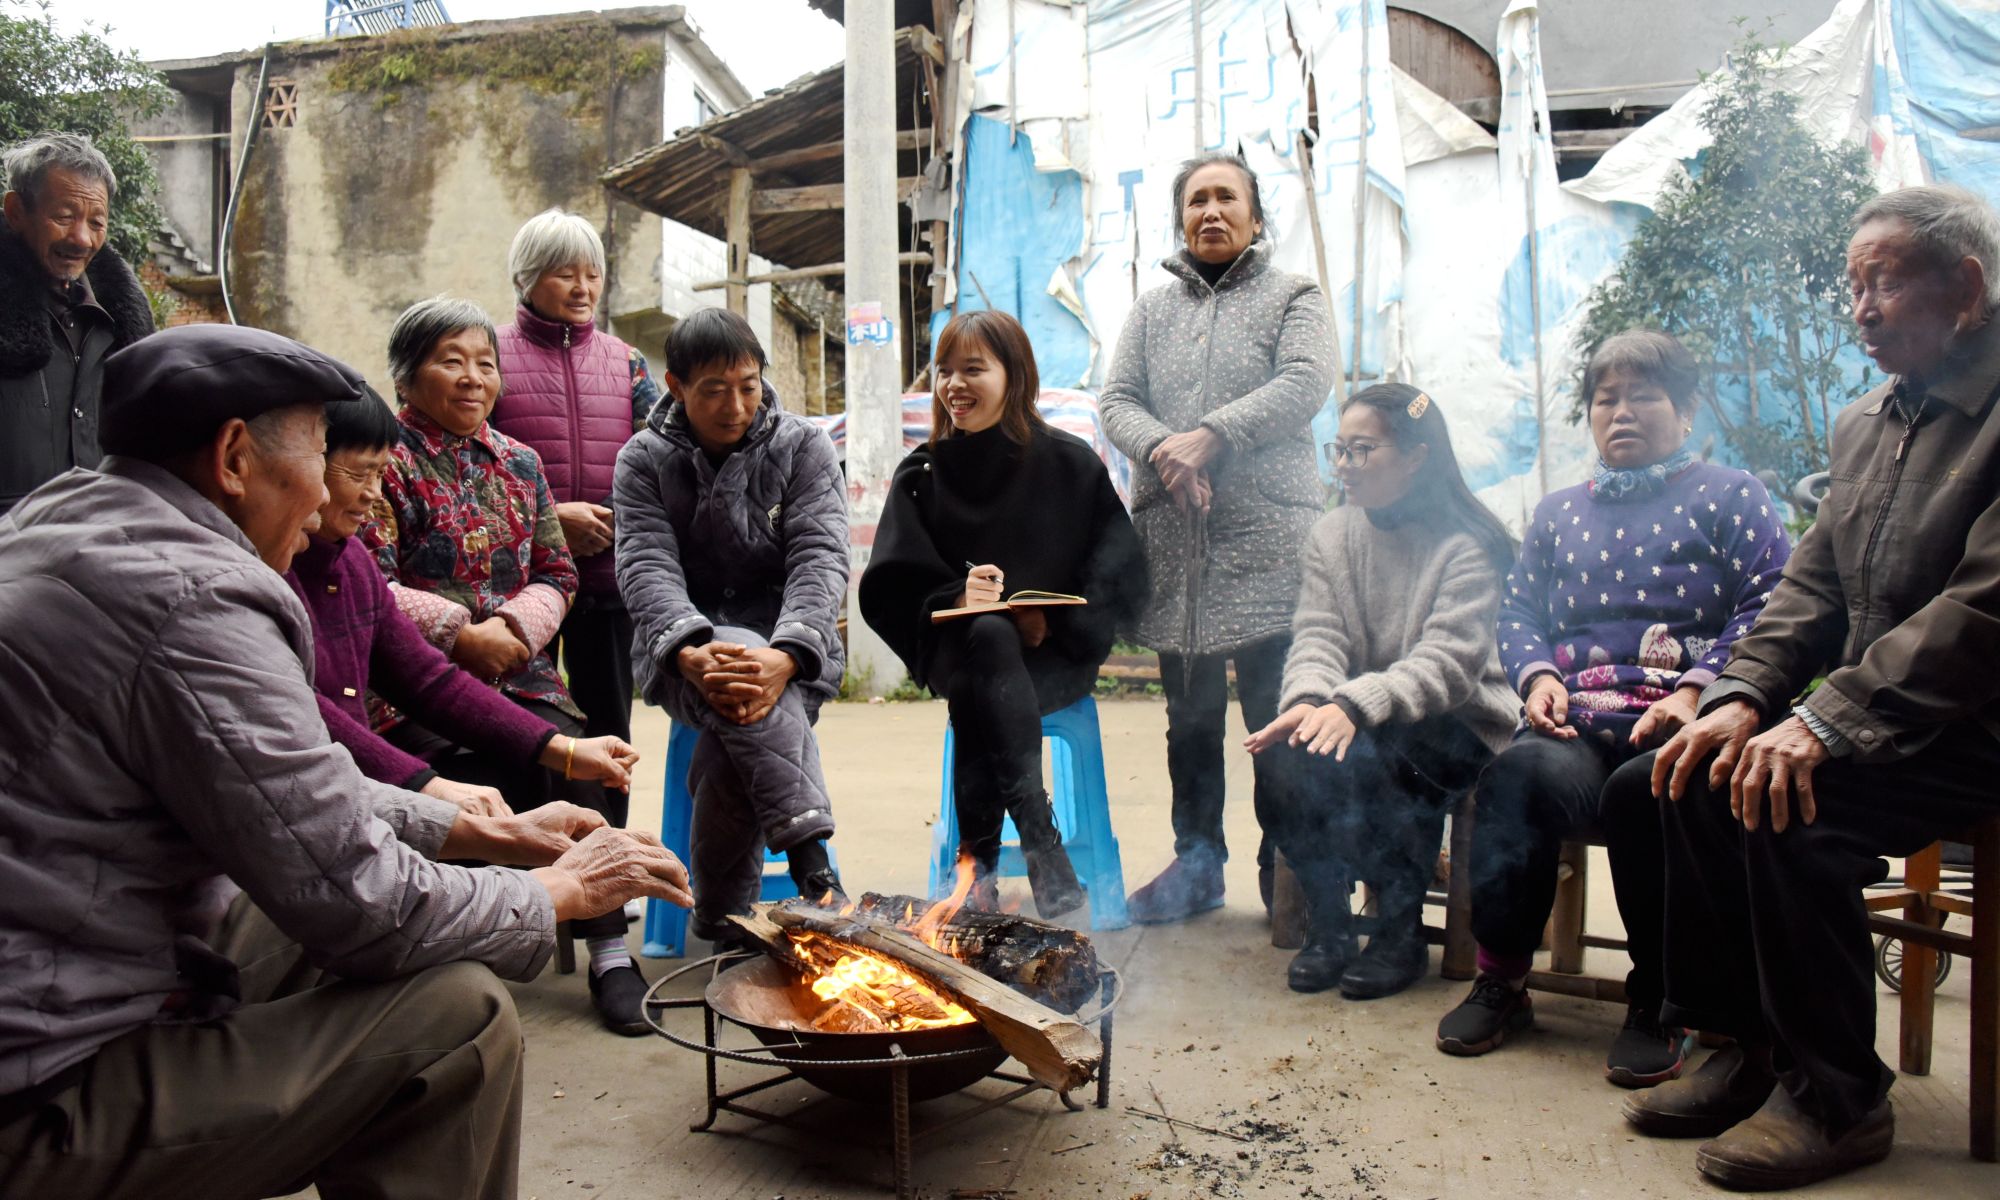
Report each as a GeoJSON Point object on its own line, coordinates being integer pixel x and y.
{"type": "Point", "coordinates": [758, 540]}
{"type": "Point", "coordinates": [162, 733]}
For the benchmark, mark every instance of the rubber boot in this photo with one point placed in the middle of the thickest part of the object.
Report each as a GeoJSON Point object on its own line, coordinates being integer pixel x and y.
{"type": "Point", "coordinates": [1050, 875]}
{"type": "Point", "coordinates": [1329, 946]}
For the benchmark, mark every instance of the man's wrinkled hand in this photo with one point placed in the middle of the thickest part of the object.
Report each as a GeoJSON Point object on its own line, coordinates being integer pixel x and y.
{"type": "Point", "coordinates": [1777, 764]}
{"type": "Point", "coordinates": [610, 867]}
{"type": "Point", "coordinates": [1721, 733]}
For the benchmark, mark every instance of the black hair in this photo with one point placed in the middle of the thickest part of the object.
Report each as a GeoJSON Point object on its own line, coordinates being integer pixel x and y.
{"type": "Point", "coordinates": [1656, 357]}
{"type": "Point", "coordinates": [1439, 490]}
{"type": "Point", "coordinates": [1196, 163]}
{"type": "Point", "coordinates": [711, 335]}
{"type": "Point", "coordinates": [364, 424]}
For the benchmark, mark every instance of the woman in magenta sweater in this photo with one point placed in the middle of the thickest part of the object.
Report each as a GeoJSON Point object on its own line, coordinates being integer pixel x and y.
{"type": "Point", "coordinates": [363, 643]}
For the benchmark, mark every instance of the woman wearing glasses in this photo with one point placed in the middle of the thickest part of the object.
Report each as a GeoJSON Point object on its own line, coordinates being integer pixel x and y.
{"type": "Point", "coordinates": [1630, 589]}
{"type": "Point", "coordinates": [1393, 696]}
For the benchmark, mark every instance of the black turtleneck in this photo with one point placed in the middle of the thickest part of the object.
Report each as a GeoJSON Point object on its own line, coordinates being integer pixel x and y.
{"type": "Point", "coordinates": [1044, 513]}
{"type": "Point", "coordinates": [1210, 272]}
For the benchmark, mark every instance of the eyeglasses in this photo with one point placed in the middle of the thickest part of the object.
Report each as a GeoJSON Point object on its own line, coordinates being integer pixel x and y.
{"type": "Point", "coordinates": [364, 478]}
{"type": "Point", "coordinates": [1357, 453]}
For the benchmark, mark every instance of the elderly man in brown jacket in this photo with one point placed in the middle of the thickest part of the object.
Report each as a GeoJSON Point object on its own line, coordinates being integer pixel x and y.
{"type": "Point", "coordinates": [1893, 594]}
{"type": "Point", "coordinates": [164, 750]}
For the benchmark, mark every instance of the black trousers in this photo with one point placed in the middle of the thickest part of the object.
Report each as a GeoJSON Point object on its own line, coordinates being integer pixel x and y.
{"type": "Point", "coordinates": [524, 786]}
{"type": "Point", "coordinates": [1539, 792]}
{"type": "Point", "coordinates": [1376, 815]}
{"type": "Point", "coordinates": [1197, 722]}
{"type": "Point", "coordinates": [595, 648]}
{"type": "Point", "coordinates": [1767, 934]}
{"type": "Point", "coordinates": [980, 668]}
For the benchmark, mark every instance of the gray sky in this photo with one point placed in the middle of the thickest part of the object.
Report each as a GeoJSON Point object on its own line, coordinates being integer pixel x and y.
{"type": "Point", "coordinates": [768, 43]}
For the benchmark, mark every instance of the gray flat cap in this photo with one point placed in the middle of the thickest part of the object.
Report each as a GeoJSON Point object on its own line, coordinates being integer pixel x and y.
{"type": "Point", "coordinates": [171, 391]}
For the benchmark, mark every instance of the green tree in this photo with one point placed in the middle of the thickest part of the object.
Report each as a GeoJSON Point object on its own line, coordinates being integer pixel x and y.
{"type": "Point", "coordinates": [52, 82]}
{"type": "Point", "coordinates": [1744, 260]}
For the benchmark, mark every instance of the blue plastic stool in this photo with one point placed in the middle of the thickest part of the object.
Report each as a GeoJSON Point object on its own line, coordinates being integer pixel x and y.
{"type": "Point", "coordinates": [666, 924]}
{"type": "Point", "coordinates": [1083, 814]}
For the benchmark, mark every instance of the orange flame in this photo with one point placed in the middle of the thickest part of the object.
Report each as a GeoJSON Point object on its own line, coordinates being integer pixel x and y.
{"type": "Point", "coordinates": [880, 990]}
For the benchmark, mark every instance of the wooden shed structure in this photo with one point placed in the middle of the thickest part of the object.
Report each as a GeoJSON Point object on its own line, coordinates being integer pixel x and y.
{"type": "Point", "coordinates": [766, 179]}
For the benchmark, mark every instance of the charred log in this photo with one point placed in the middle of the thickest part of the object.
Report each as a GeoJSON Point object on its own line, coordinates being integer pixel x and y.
{"type": "Point", "coordinates": [1045, 962]}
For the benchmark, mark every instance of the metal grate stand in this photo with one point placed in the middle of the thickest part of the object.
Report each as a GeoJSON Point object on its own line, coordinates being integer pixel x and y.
{"type": "Point", "coordinates": [902, 1138]}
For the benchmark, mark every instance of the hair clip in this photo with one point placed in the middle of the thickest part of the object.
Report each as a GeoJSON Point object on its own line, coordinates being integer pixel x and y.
{"type": "Point", "coordinates": [1419, 406]}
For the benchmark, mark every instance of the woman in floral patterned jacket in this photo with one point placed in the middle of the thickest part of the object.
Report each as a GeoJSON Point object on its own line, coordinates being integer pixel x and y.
{"type": "Point", "coordinates": [468, 531]}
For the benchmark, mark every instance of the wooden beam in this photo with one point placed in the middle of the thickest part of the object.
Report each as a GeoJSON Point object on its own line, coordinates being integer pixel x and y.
{"type": "Point", "coordinates": [908, 139]}
{"type": "Point", "coordinates": [906, 259]}
{"type": "Point", "coordinates": [727, 150]}
{"type": "Point", "coordinates": [820, 197]}
{"type": "Point", "coordinates": [736, 226]}
{"type": "Point", "coordinates": [1057, 1050]}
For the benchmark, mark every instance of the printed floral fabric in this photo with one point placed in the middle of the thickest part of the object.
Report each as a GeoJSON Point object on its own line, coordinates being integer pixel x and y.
{"type": "Point", "coordinates": [1628, 599]}
{"type": "Point", "coordinates": [645, 392]}
{"type": "Point", "coordinates": [470, 520]}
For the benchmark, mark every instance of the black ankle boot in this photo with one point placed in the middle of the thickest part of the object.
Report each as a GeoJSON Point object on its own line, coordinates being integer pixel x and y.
{"type": "Point", "coordinates": [1050, 875]}
{"type": "Point", "coordinates": [1329, 947]}
{"type": "Point", "coordinates": [1396, 957]}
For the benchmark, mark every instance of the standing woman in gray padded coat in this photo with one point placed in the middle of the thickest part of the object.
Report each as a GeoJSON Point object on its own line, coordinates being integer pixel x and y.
{"type": "Point", "coordinates": [1211, 394]}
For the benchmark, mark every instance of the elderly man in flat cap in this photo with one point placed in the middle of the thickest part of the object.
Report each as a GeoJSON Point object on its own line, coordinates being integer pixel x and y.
{"type": "Point", "coordinates": [66, 302]}
{"type": "Point", "coordinates": [160, 1036]}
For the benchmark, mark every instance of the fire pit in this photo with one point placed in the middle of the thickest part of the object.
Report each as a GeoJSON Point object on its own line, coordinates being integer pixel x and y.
{"type": "Point", "coordinates": [864, 1028]}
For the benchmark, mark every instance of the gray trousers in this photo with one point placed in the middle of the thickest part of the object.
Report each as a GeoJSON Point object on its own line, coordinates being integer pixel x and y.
{"type": "Point", "coordinates": [753, 786]}
{"type": "Point", "coordinates": [408, 1088]}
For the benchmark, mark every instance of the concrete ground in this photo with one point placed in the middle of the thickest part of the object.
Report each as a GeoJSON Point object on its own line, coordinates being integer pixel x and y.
{"type": "Point", "coordinates": [1336, 1099]}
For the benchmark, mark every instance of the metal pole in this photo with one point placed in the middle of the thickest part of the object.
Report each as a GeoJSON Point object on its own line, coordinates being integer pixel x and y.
{"type": "Point", "coordinates": [1360, 204]}
{"type": "Point", "coordinates": [1534, 118]}
{"type": "Point", "coordinates": [874, 352]}
{"type": "Point", "coordinates": [1200, 83]}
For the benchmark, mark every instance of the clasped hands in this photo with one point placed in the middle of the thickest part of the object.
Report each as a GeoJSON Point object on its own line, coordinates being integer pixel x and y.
{"type": "Point", "coordinates": [742, 683]}
{"type": "Point", "coordinates": [1181, 461]}
{"type": "Point", "coordinates": [490, 649]}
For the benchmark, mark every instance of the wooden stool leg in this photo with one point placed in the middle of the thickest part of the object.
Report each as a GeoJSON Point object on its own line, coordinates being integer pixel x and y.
{"type": "Point", "coordinates": [1461, 952]}
{"type": "Point", "coordinates": [565, 950]}
{"type": "Point", "coordinates": [1566, 922]}
{"type": "Point", "coordinates": [1986, 992]}
{"type": "Point", "coordinates": [1920, 876]}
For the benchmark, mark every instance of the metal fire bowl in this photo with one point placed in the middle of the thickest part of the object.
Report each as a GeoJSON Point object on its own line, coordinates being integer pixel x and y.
{"type": "Point", "coordinates": [768, 1000]}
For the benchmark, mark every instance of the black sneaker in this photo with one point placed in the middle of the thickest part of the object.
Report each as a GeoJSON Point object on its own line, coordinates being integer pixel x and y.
{"type": "Point", "coordinates": [1646, 1052]}
{"type": "Point", "coordinates": [617, 993]}
{"type": "Point", "coordinates": [1492, 1010]}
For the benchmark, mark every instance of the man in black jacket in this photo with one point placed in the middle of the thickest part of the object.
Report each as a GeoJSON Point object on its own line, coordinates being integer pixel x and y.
{"type": "Point", "coordinates": [66, 302]}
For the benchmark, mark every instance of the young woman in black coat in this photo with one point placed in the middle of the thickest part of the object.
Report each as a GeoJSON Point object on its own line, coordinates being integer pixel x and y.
{"type": "Point", "coordinates": [997, 503]}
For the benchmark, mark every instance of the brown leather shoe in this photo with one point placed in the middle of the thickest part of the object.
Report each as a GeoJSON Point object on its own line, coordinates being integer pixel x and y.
{"type": "Point", "coordinates": [1186, 887]}
{"type": "Point", "coordinates": [1783, 1147]}
{"type": "Point", "coordinates": [1732, 1084]}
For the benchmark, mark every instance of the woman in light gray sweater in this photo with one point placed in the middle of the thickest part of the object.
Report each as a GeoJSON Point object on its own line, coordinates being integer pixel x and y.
{"type": "Point", "coordinates": [1393, 696]}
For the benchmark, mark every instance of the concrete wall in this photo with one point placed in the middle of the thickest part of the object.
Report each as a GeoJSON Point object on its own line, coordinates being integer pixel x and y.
{"type": "Point", "coordinates": [371, 203]}
{"type": "Point", "coordinates": [189, 167]}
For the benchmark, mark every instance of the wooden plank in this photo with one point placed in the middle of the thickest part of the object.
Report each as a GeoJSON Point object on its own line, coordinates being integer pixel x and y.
{"type": "Point", "coordinates": [1920, 875]}
{"type": "Point", "coordinates": [1985, 1074]}
{"type": "Point", "coordinates": [736, 227]}
{"type": "Point", "coordinates": [907, 139]}
{"type": "Point", "coordinates": [908, 258]}
{"type": "Point", "coordinates": [1057, 1050]}
{"type": "Point", "coordinates": [820, 197]}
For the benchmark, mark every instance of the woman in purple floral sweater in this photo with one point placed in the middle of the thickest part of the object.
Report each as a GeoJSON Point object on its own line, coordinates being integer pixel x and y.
{"type": "Point", "coordinates": [1629, 590]}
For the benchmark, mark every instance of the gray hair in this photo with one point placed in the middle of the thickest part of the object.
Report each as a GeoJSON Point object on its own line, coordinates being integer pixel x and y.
{"type": "Point", "coordinates": [426, 323]}
{"type": "Point", "coordinates": [550, 240]}
{"type": "Point", "coordinates": [1947, 224]}
{"type": "Point", "coordinates": [28, 163]}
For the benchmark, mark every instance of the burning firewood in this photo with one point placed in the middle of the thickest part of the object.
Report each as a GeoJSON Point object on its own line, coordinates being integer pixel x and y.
{"type": "Point", "coordinates": [1044, 962]}
{"type": "Point", "coordinates": [1057, 1050]}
